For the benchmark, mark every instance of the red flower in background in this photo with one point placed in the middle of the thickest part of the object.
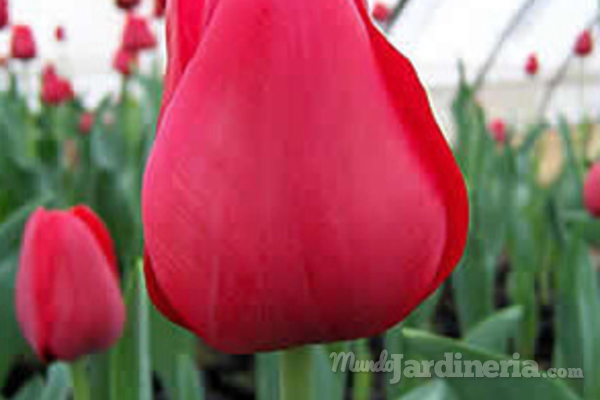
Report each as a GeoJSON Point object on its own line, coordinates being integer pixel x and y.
{"type": "Point", "coordinates": [23, 45]}
{"type": "Point", "coordinates": [137, 35]}
{"type": "Point", "coordinates": [127, 4]}
{"type": "Point", "coordinates": [124, 61]}
{"type": "Point", "coordinates": [498, 130]}
{"type": "Point", "coordinates": [532, 65]}
{"type": "Point", "coordinates": [86, 122]}
{"type": "Point", "coordinates": [381, 13]}
{"type": "Point", "coordinates": [584, 45]}
{"type": "Point", "coordinates": [316, 199]}
{"type": "Point", "coordinates": [60, 34]}
{"type": "Point", "coordinates": [56, 90]}
{"type": "Point", "coordinates": [591, 191]}
{"type": "Point", "coordinates": [159, 8]}
{"type": "Point", "coordinates": [68, 300]}
{"type": "Point", "coordinates": [4, 20]}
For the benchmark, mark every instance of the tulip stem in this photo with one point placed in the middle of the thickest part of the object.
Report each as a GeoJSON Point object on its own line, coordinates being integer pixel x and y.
{"type": "Point", "coordinates": [295, 374]}
{"type": "Point", "coordinates": [81, 383]}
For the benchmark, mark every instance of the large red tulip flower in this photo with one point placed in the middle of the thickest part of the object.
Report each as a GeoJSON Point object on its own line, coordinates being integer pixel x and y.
{"type": "Point", "coordinates": [23, 45]}
{"type": "Point", "coordinates": [299, 190]}
{"type": "Point", "coordinates": [591, 191]}
{"type": "Point", "coordinates": [137, 35]}
{"type": "Point", "coordinates": [68, 298]}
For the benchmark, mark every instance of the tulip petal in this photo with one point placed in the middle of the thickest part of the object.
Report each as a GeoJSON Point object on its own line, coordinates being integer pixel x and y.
{"type": "Point", "coordinates": [101, 233]}
{"type": "Point", "coordinates": [300, 190]}
{"type": "Point", "coordinates": [402, 80]}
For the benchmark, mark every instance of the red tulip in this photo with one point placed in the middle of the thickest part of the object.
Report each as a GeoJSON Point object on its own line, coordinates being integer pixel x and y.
{"type": "Point", "coordinates": [584, 44]}
{"type": "Point", "coordinates": [591, 191]}
{"type": "Point", "coordinates": [299, 190]}
{"type": "Point", "coordinates": [23, 45]}
{"type": "Point", "coordinates": [498, 130]}
{"type": "Point", "coordinates": [68, 299]}
{"type": "Point", "coordinates": [124, 62]}
{"type": "Point", "coordinates": [159, 8]}
{"type": "Point", "coordinates": [86, 122]}
{"type": "Point", "coordinates": [60, 34]}
{"type": "Point", "coordinates": [381, 13]}
{"type": "Point", "coordinates": [532, 65]}
{"type": "Point", "coordinates": [137, 35]}
{"type": "Point", "coordinates": [55, 89]}
{"type": "Point", "coordinates": [127, 4]}
{"type": "Point", "coordinates": [4, 20]}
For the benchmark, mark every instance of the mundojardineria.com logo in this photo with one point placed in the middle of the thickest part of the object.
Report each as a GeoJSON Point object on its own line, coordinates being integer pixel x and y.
{"type": "Point", "coordinates": [452, 366]}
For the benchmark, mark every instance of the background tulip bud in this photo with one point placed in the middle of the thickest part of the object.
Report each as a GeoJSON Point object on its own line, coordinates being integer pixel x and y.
{"type": "Point", "coordinates": [55, 89]}
{"type": "Point", "coordinates": [137, 35]}
{"type": "Point", "coordinates": [498, 130]}
{"type": "Point", "coordinates": [591, 191]}
{"type": "Point", "coordinates": [124, 61]}
{"type": "Point", "coordinates": [159, 8]}
{"type": "Point", "coordinates": [3, 14]}
{"type": "Point", "coordinates": [68, 299]}
{"type": "Point", "coordinates": [584, 45]}
{"type": "Point", "coordinates": [86, 122]}
{"type": "Point", "coordinates": [127, 4]}
{"type": "Point", "coordinates": [60, 34]}
{"type": "Point", "coordinates": [381, 13]}
{"type": "Point", "coordinates": [23, 45]}
{"type": "Point", "coordinates": [532, 65]}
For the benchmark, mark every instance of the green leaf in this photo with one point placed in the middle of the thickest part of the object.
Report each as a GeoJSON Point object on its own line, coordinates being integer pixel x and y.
{"type": "Point", "coordinates": [436, 390]}
{"type": "Point", "coordinates": [11, 230]}
{"type": "Point", "coordinates": [31, 391]}
{"type": "Point", "coordinates": [494, 333]}
{"type": "Point", "coordinates": [189, 382]}
{"type": "Point", "coordinates": [131, 368]}
{"type": "Point", "coordinates": [267, 376]}
{"type": "Point", "coordinates": [58, 385]}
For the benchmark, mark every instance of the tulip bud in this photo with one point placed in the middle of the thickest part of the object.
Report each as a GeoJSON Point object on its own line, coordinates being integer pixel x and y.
{"type": "Point", "coordinates": [381, 13]}
{"type": "Point", "coordinates": [498, 130]}
{"type": "Point", "coordinates": [532, 65]}
{"type": "Point", "coordinates": [3, 14]}
{"type": "Point", "coordinates": [55, 89]}
{"type": "Point", "coordinates": [591, 191]}
{"type": "Point", "coordinates": [86, 122]}
{"type": "Point", "coordinates": [68, 299]}
{"type": "Point", "coordinates": [60, 34]}
{"type": "Point", "coordinates": [159, 8]}
{"type": "Point", "coordinates": [137, 35]}
{"type": "Point", "coordinates": [584, 44]}
{"type": "Point", "coordinates": [124, 62]}
{"type": "Point", "coordinates": [23, 45]}
{"type": "Point", "coordinates": [127, 4]}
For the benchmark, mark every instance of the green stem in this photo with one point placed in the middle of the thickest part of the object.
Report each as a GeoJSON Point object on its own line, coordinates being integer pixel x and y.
{"type": "Point", "coordinates": [295, 374]}
{"type": "Point", "coordinates": [81, 383]}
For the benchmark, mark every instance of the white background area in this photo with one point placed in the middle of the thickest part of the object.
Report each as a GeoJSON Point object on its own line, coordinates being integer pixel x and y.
{"type": "Point", "coordinates": [434, 34]}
